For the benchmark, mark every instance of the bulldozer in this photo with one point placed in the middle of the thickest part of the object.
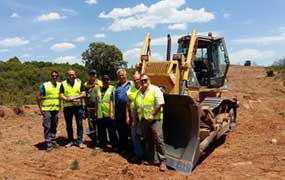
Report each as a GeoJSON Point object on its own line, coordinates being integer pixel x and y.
{"type": "Point", "coordinates": [194, 114]}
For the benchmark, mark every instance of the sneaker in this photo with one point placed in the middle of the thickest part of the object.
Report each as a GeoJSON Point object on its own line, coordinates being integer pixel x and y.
{"type": "Point", "coordinates": [49, 149]}
{"type": "Point", "coordinates": [162, 167]}
{"type": "Point", "coordinates": [55, 145]}
{"type": "Point", "coordinates": [81, 145]}
{"type": "Point", "coordinates": [69, 144]}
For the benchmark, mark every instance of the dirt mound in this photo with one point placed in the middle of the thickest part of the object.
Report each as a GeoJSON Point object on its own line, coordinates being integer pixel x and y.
{"type": "Point", "coordinates": [255, 150]}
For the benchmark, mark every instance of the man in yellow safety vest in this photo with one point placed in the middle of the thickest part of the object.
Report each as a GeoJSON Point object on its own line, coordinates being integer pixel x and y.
{"type": "Point", "coordinates": [148, 104]}
{"type": "Point", "coordinates": [106, 114]}
{"type": "Point", "coordinates": [72, 92]}
{"type": "Point", "coordinates": [136, 132]}
{"type": "Point", "coordinates": [49, 104]}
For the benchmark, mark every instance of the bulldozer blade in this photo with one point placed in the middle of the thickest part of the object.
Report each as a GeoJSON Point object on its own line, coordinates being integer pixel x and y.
{"type": "Point", "coordinates": [181, 118]}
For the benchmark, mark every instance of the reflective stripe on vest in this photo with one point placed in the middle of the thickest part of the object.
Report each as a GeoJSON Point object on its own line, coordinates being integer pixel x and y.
{"type": "Point", "coordinates": [70, 91]}
{"type": "Point", "coordinates": [50, 101]}
{"type": "Point", "coordinates": [146, 104]}
{"type": "Point", "coordinates": [131, 93]}
{"type": "Point", "coordinates": [104, 103]}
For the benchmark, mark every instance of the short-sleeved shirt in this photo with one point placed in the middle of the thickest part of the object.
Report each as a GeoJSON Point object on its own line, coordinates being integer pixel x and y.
{"type": "Point", "coordinates": [42, 89]}
{"type": "Point", "coordinates": [158, 95]}
{"type": "Point", "coordinates": [121, 100]}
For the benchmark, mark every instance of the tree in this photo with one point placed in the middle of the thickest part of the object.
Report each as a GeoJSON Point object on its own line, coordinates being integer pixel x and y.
{"type": "Point", "coordinates": [15, 60]}
{"type": "Point", "coordinates": [106, 59]}
{"type": "Point", "coordinates": [279, 62]}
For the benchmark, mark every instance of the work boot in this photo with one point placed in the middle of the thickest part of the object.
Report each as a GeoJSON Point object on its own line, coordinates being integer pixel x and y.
{"type": "Point", "coordinates": [69, 144]}
{"type": "Point", "coordinates": [162, 167]}
{"type": "Point", "coordinates": [136, 160]}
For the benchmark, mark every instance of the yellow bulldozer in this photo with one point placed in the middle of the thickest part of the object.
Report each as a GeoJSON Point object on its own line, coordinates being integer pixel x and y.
{"type": "Point", "coordinates": [195, 114]}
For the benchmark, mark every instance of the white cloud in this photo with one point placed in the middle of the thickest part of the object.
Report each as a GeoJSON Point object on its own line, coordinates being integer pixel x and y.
{"type": "Point", "coordinates": [26, 55]}
{"type": "Point", "coordinates": [156, 56]}
{"type": "Point", "coordinates": [132, 56]}
{"type": "Point", "coordinates": [48, 39]}
{"type": "Point", "coordinates": [15, 41]}
{"type": "Point", "coordinates": [181, 26]}
{"type": "Point", "coordinates": [50, 16]}
{"type": "Point", "coordinates": [240, 56]}
{"type": "Point", "coordinates": [162, 41]}
{"type": "Point", "coordinates": [227, 15]}
{"type": "Point", "coordinates": [80, 39]}
{"type": "Point", "coordinates": [69, 11]}
{"type": "Point", "coordinates": [100, 35]}
{"type": "Point", "coordinates": [162, 12]}
{"type": "Point", "coordinates": [123, 12]}
{"type": "Point", "coordinates": [4, 51]}
{"type": "Point", "coordinates": [265, 40]}
{"type": "Point", "coordinates": [60, 47]}
{"type": "Point", "coordinates": [68, 59]}
{"type": "Point", "coordinates": [91, 2]}
{"type": "Point", "coordinates": [15, 15]}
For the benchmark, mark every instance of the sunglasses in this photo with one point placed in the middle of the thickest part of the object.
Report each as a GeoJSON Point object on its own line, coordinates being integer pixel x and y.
{"type": "Point", "coordinates": [92, 74]}
{"type": "Point", "coordinates": [54, 75]}
{"type": "Point", "coordinates": [144, 80]}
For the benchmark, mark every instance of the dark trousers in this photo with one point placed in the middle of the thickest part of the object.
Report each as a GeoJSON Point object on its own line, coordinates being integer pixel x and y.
{"type": "Point", "coordinates": [154, 142]}
{"type": "Point", "coordinates": [105, 125]}
{"type": "Point", "coordinates": [92, 123]}
{"type": "Point", "coordinates": [124, 132]}
{"type": "Point", "coordinates": [77, 111]}
{"type": "Point", "coordinates": [50, 121]}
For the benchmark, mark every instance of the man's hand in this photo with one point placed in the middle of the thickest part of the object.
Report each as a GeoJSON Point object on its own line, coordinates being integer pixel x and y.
{"type": "Point", "coordinates": [127, 120]}
{"type": "Point", "coordinates": [69, 99]}
{"type": "Point", "coordinates": [41, 112]}
{"type": "Point", "coordinates": [151, 118]}
{"type": "Point", "coordinates": [112, 116]}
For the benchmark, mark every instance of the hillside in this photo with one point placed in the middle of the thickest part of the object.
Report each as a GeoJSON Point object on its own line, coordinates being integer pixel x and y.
{"type": "Point", "coordinates": [255, 150]}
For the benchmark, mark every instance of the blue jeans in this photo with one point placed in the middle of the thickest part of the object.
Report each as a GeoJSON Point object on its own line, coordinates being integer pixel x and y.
{"type": "Point", "coordinates": [77, 111]}
{"type": "Point", "coordinates": [136, 132]}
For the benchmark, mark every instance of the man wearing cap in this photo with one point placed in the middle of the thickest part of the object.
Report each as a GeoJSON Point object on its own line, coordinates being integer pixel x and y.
{"type": "Point", "coordinates": [49, 104]}
{"type": "Point", "coordinates": [72, 92]}
{"type": "Point", "coordinates": [106, 113]}
{"type": "Point", "coordinates": [91, 101]}
{"type": "Point", "coordinates": [148, 105]}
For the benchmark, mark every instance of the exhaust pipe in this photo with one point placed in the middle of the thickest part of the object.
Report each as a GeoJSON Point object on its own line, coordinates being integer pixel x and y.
{"type": "Point", "coordinates": [168, 51]}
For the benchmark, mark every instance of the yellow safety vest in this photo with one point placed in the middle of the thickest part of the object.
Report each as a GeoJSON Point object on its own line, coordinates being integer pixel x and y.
{"type": "Point", "coordinates": [70, 91]}
{"type": "Point", "coordinates": [50, 101]}
{"type": "Point", "coordinates": [131, 93]}
{"type": "Point", "coordinates": [145, 104]}
{"type": "Point", "coordinates": [104, 103]}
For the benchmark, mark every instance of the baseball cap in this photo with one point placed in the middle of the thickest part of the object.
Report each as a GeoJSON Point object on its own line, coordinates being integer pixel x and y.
{"type": "Point", "coordinates": [92, 71]}
{"type": "Point", "coordinates": [105, 77]}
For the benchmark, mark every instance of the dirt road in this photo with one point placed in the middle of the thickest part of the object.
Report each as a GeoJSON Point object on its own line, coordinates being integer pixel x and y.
{"type": "Point", "coordinates": [255, 150]}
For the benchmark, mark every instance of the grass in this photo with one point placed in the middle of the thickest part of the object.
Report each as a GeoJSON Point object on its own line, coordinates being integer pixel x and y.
{"type": "Point", "coordinates": [74, 164]}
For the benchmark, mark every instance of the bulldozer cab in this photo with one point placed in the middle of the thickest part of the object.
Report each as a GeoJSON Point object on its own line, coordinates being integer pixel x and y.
{"type": "Point", "coordinates": [210, 63]}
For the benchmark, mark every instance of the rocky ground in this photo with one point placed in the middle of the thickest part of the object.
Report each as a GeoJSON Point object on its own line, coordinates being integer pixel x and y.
{"type": "Point", "coordinates": [255, 150]}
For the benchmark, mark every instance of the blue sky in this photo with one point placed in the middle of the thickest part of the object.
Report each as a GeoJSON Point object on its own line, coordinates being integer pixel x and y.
{"type": "Point", "coordinates": [60, 30]}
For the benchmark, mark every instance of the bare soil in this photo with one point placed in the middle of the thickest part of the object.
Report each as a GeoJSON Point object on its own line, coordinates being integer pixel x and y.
{"type": "Point", "coordinates": [255, 150]}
